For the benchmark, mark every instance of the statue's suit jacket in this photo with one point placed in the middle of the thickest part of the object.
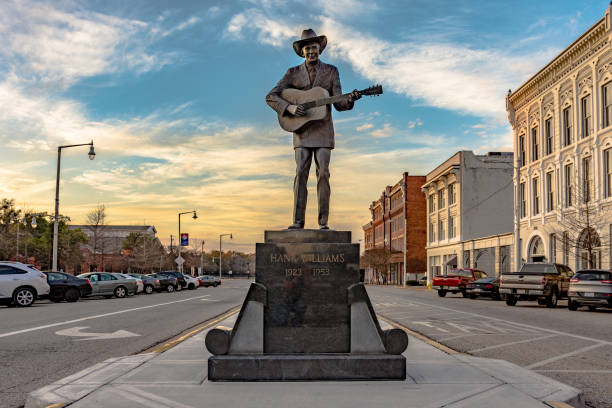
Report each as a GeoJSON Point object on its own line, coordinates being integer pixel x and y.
{"type": "Point", "coordinates": [318, 133]}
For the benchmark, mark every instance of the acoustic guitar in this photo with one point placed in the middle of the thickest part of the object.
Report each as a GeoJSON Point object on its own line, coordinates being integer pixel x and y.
{"type": "Point", "coordinates": [315, 103]}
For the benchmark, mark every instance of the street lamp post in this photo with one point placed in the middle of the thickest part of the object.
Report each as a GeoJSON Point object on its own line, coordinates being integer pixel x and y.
{"type": "Point", "coordinates": [202, 259]}
{"type": "Point", "coordinates": [405, 235]}
{"type": "Point", "coordinates": [195, 216]}
{"type": "Point", "coordinates": [220, 251]}
{"type": "Point", "coordinates": [92, 155]}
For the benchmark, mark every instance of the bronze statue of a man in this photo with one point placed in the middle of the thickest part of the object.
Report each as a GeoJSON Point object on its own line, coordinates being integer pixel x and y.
{"type": "Point", "coordinates": [316, 138]}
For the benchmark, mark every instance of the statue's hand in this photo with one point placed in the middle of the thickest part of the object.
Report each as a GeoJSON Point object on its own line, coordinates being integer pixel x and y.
{"type": "Point", "coordinates": [354, 95]}
{"type": "Point", "coordinates": [296, 110]}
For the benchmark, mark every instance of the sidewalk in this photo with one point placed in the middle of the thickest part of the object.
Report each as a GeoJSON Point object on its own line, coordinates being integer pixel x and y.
{"type": "Point", "coordinates": [176, 378]}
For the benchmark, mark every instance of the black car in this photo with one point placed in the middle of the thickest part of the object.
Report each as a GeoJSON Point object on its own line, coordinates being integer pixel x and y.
{"type": "Point", "coordinates": [66, 287]}
{"type": "Point", "coordinates": [166, 282]}
{"type": "Point", "coordinates": [483, 287]}
{"type": "Point", "coordinates": [179, 276]}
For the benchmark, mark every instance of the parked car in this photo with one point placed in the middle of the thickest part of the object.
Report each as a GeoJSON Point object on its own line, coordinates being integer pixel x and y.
{"type": "Point", "coordinates": [139, 282]}
{"type": "Point", "coordinates": [192, 283]}
{"type": "Point", "coordinates": [208, 280]}
{"type": "Point", "coordinates": [67, 287]}
{"type": "Point", "coordinates": [150, 283]}
{"type": "Point", "coordinates": [456, 280]}
{"type": "Point", "coordinates": [20, 284]}
{"type": "Point", "coordinates": [592, 288]}
{"type": "Point", "coordinates": [179, 276]}
{"type": "Point", "coordinates": [542, 281]}
{"type": "Point", "coordinates": [166, 282]}
{"type": "Point", "coordinates": [484, 287]}
{"type": "Point", "coordinates": [422, 280]}
{"type": "Point", "coordinates": [110, 284]}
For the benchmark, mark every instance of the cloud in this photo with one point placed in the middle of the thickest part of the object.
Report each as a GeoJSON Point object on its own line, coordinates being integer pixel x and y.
{"type": "Point", "coordinates": [363, 127]}
{"type": "Point", "coordinates": [255, 22]}
{"type": "Point", "coordinates": [386, 131]}
{"type": "Point", "coordinates": [415, 123]}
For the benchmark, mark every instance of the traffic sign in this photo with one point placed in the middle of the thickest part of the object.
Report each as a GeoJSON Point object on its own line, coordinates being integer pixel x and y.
{"type": "Point", "coordinates": [180, 260]}
{"type": "Point", "coordinates": [184, 239]}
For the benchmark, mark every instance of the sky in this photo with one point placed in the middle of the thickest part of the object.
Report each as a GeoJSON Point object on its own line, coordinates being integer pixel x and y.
{"type": "Point", "coordinates": [172, 95]}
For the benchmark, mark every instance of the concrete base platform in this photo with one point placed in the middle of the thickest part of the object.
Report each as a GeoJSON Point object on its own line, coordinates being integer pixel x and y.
{"type": "Point", "coordinates": [309, 367]}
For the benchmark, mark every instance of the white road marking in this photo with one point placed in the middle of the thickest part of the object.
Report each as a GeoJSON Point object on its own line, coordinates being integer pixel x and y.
{"type": "Point", "coordinates": [82, 319]}
{"type": "Point", "coordinates": [575, 371]}
{"type": "Point", "coordinates": [428, 324]}
{"type": "Point", "coordinates": [512, 343]}
{"type": "Point", "coordinates": [78, 332]}
{"type": "Point", "coordinates": [209, 300]}
{"type": "Point", "coordinates": [521, 325]}
{"type": "Point", "coordinates": [565, 355]}
{"type": "Point", "coordinates": [463, 328]}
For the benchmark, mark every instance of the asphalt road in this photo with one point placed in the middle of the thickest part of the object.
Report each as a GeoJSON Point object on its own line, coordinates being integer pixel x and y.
{"type": "Point", "coordinates": [49, 341]}
{"type": "Point", "coordinates": [572, 347]}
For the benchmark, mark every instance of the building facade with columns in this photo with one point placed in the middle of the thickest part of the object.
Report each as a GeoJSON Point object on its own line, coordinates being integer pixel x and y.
{"type": "Point", "coordinates": [562, 125]}
{"type": "Point", "coordinates": [398, 224]}
{"type": "Point", "coordinates": [469, 213]}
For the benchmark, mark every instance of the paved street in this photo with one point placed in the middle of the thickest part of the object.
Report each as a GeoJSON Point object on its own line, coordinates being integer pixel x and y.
{"type": "Point", "coordinates": [571, 347]}
{"type": "Point", "coordinates": [50, 341]}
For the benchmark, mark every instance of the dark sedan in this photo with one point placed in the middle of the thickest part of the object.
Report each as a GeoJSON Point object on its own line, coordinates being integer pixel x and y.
{"type": "Point", "coordinates": [66, 287]}
{"type": "Point", "coordinates": [179, 276]}
{"type": "Point", "coordinates": [483, 287]}
{"type": "Point", "coordinates": [166, 282]}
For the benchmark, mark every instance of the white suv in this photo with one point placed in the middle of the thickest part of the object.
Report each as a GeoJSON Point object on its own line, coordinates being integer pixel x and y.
{"type": "Point", "coordinates": [21, 284]}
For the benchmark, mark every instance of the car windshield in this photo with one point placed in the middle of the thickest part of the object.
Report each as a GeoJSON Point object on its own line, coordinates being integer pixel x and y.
{"type": "Point", "coordinates": [539, 268]}
{"type": "Point", "coordinates": [462, 272]}
{"type": "Point", "coordinates": [594, 275]}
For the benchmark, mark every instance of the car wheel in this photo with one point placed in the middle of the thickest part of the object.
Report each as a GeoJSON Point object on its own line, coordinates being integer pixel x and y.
{"type": "Point", "coordinates": [191, 286]}
{"type": "Point", "coordinates": [511, 300]}
{"type": "Point", "coordinates": [592, 308]}
{"type": "Point", "coordinates": [441, 293]}
{"type": "Point", "coordinates": [72, 295]}
{"type": "Point", "coordinates": [120, 292]}
{"type": "Point", "coordinates": [170, 288]}
{"type": "Point", "coordinates": [573, 305]}
{"type": "Point", "coordinates": [148, 289]}
{"type": "Point", "coordinates": [24, 297]}
{"type": "Point", "coordinates": [473, 296]}
{"type": "Point", "coordinates": [551, 301]}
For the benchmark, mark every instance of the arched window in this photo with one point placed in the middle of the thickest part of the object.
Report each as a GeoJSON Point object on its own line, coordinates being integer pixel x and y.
{"type": "Point", "coordinates": [537, 250]}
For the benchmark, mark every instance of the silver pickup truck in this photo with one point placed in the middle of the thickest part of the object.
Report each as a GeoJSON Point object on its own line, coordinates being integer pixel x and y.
{"type": "Point", "coordinates": [541, 281]}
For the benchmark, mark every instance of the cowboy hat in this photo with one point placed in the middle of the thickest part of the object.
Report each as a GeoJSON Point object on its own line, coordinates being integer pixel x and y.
{"type": "Point", "coordinates": [309, 36]}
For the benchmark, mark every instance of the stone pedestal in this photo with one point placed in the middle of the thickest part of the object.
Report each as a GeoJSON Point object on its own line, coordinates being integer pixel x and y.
{"type": "Point", "coordinates": [306, 317]}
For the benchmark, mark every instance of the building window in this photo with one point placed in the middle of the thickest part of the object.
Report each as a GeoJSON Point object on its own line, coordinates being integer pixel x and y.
{"type": "Point", "coordinates": [606, 92]}
{"type": "Point", "coordinates": [549, 136]}
{"type": "Point", "coordinates": [522, 150]}
{"type": "Point", "coordinates": [441, 203]}
{"type": "Point", "coordinates": [536, 196]}
{"type": "Point", "coordinates": [585, 104]}
{"type": "Point", "coordinates": [432, 203]}
{"type": "Point", "coordinates": [587, 180]}
{"type": "Point", "coordinates": [432, 232]}
{"type": "Point", "coordinates": [569, 185]}
{"type": "Point", "coordinates": [441, 232]}
{"type": "Point", "coordinates": [567, 126]}
{"type": "Point", "coordinates": [550, 192]}
{"type": "Point", "coordinates": [466, 259]}
{"type": "Point", "coordinates": [452, 194]}
{"type": "Point", "coordinates": [553, 247]}
{"type": "Point", "coordinates": [565, 248]}
{"type": "Point", "coordinates": [608, 171]}
{"type": "Point", "coordinates": [535, 145]}
{"type": "Point", "coordinates": [452, 227]}
{"type": "Point", "coordinates": [523, 203]}
{"type": "Point", "coordinates": [434, 262]}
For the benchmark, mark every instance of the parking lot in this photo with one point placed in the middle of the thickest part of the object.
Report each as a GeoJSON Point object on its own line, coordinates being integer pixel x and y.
{"type": "Point", "coordinates": [572, 347]}
{"type": "Point", "coordinates": [49, 341]}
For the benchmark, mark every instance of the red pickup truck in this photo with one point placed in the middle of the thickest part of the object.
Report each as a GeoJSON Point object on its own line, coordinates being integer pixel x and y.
{"type": "Point", "coordinates": [456, 280]}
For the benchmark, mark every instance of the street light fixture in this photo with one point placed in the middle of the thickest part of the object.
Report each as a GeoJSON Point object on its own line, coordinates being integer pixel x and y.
{"type": "Point", "coordinates": [195, 217]}
{"type": "Point", "coordinates": [220, 251]}
{"type": "Point", "coordinates": [92, 155]}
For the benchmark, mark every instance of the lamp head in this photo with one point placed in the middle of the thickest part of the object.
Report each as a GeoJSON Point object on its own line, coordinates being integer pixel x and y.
{"type": "Point", "coordinates": [34, 222]}
{"type": "Point", "coordinates": [231, 236]}
{"type": "Point", "coordinates": [195, 216]}
{"type": "Point", "coordinates": [92, 153]}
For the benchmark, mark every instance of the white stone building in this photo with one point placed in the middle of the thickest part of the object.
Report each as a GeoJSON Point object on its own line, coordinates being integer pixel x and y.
{"type": "Point", "coordinates": [562, 124]}
{"type": "Point", "coordinates": [469, 213]}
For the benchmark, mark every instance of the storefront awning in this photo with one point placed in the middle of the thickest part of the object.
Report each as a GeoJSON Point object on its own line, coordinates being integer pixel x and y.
{"type": "Point", "coordinates": [452, 261]}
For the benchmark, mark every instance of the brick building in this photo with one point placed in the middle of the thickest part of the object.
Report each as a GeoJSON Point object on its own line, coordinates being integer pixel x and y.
{"type": "Point", "coordinates": [396, 215]}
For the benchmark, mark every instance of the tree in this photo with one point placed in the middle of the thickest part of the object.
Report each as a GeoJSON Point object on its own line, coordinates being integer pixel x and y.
{"type": "Point", "coordinates": [96, 220]}
{"type": "Point", "coordinates": [378, 259]}
{"type": "Point", "coordinates": [583, 227]}
{"type": "Point", "coordinates": [144, 253]}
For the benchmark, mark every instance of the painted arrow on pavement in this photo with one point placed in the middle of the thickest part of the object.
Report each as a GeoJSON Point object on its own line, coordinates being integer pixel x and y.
{"type": "Point", "coordinates": [78, 332]}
